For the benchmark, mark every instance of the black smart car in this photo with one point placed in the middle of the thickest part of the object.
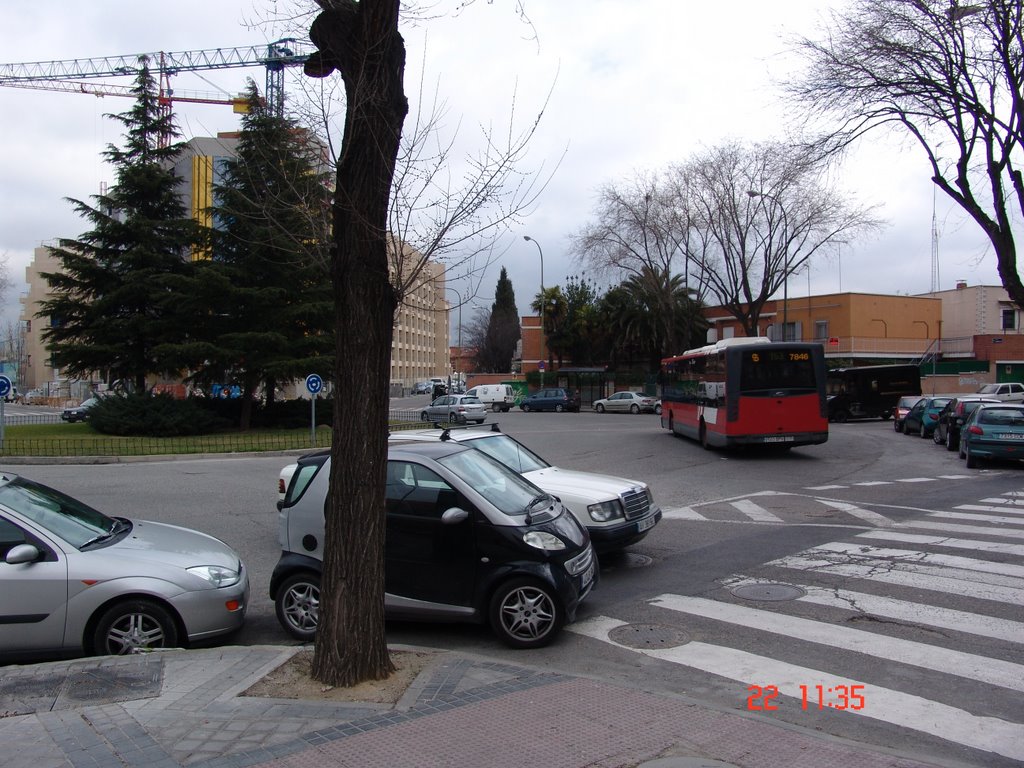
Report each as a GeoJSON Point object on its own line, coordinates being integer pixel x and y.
{"type": "Point", "coordinates": [467, 539]}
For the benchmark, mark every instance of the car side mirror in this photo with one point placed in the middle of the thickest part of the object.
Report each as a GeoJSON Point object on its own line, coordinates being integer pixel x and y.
{"type": "Point", "coordinates": [22, 553]}
{"type": "Point", "coordinates": [454, 515]}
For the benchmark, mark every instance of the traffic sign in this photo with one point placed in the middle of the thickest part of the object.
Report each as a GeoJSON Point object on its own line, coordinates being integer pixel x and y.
{"type": "Point", "coordinates": [540, 365]}
{"type": "Point", "coordinates": [314, 384]}
{"type": "Point", "coordinates": [5, 386]}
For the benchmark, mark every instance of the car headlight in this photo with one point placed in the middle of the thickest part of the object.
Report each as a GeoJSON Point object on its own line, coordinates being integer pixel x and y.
{"type": "Point", "coordinates": [543, 540]}
{"type": "Point", "coordinates": [217, 575]}
{"type": "Point", "coordinates": [605, 511]}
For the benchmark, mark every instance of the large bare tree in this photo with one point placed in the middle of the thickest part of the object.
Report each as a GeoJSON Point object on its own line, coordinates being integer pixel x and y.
{"type": "Point", "coordinates": [950, 74]}
{"type": "Point", "coordinates": [759, 212]}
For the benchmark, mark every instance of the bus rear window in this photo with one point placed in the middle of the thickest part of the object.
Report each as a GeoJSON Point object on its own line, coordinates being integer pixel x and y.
{"type": "Point", "coordinates": [777, 369]}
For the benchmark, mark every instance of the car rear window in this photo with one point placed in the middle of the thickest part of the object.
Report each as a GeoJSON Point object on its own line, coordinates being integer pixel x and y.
{"type": "Point", "coordinates": [1006, 416]}
{"type": "Point", "coordinates": [471, 400]}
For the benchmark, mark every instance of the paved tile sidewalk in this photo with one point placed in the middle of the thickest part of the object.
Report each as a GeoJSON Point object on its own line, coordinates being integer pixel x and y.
{"type": "Point", "coordinates": [183, 709]}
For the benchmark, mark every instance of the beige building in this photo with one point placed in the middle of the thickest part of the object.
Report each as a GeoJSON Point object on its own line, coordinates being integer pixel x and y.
{"type": "Point", "coordinates": [419, 348]}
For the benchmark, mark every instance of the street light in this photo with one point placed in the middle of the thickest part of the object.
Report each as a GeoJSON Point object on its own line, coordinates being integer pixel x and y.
{"type": "Point", "coordinates": [457, 293]}
{"type": "Point", "coordinates": [541, 252]}
{"type": "Point", "coordinates": [785, 275]}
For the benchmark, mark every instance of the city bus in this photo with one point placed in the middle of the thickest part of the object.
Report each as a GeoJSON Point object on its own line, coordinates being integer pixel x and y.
{"type": "Point", "coordinates": [747, 391]}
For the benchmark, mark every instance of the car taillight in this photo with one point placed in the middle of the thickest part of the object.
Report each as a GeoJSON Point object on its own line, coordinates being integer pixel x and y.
{"type": "Point", "coordinates": [976, 430]}
{"type": "Point", "coordinates": [933, 416]}
{"type": "Point", "coordinates": [280, 485]}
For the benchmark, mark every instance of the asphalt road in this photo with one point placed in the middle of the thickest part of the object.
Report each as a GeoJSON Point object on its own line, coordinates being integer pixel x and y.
{"type": "Point", "coordinates": [909, 568]}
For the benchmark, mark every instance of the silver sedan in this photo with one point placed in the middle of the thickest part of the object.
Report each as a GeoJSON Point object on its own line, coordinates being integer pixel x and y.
{"type": "Point", "coordinates": [626, 402]}
{"type": "Point", "coordinates": [76, 581]}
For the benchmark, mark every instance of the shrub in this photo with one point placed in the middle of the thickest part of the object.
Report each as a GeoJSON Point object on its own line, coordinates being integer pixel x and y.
{"type": "Point", "coordinates": [153, 415]}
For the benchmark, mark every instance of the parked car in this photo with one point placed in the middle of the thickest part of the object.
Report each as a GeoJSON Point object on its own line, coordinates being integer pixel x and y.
{"type": "Point", "coordinates": [467, 539]}
{"type": "Point", "coordinates": [617, 512]}
{"type": "Point", "coordinates": [456, 409]}
{"type": "Point", "coordinates": [625, 402]}
{"type": "Point", "coordinates": [903, 406]}
{"type": "Point", "coordinates": [1007, 391]}
{"type": "Point", "coordinates": [952, 417]}
{"type": "Point", "coordinates": [77, 581]}
{"type": "Point", "coordinates": [500, 397]}
{"type": "Point", "coordinates": [79, 412]}
{"type": "Point", "coordinates": [422, 388]}
{"type": "Point", "coordinates": [993, 432]}
{"type": "Point", "coordinates": [551, 399]}
{"type": "Point", "coordinates": [922, 418]}
{"type": "Point", "coordinates": [33, 396]}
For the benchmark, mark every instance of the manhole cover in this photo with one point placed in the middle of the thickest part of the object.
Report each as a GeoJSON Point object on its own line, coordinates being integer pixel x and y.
{"type": "Point", "coordinates": [648, 636]}
{"type": "Point", "coordinates": [768, 592]}
{"type": "Point", "coordinates": [615, 560]}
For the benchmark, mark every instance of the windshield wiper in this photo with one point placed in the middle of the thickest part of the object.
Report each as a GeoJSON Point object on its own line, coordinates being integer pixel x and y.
{"type": "Point", "coordinates": [537, 500]}
{"type": "Point", "coordinates": [119, 526]}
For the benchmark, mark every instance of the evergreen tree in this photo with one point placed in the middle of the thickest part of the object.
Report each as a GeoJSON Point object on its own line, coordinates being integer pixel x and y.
{"type": "Point", "coordinates": [113, 305]}
{"type": "Point", "coordinates": [264, 296]}
{"type": "Point", "coordinates": [502, 331]}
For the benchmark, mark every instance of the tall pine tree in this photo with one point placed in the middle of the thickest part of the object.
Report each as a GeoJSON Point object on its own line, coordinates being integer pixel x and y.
{"type": "Point", "coordinates": [503, 331]}
{"type": "Point", "coordinates": [264, 297]}
{"type": "Point", "coordinates": [112, 303]}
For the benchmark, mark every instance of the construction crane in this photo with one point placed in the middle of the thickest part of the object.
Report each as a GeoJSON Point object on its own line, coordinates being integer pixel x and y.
{"type": "Point", "coordinates": [76, 75]}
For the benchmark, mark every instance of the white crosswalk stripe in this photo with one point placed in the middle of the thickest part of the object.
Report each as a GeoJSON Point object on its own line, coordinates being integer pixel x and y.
{"type": "Point", "coordinates": [968, 585]}
{"type": "Point", "coordinates": [887, 705]}
{"type": "Point", "coordinates": [681, 513]}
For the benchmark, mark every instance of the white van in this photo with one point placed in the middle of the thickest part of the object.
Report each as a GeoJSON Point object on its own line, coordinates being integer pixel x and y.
{"type": "Point", "coordinates": [500, 397]}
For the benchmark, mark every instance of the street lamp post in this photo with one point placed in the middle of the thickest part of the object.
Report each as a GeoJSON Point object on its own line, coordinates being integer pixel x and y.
{"type": "Point", "coordinates": [785, 275]}
{"type": "Point", "coordinates": [541, 252]}
{"type": "Point", "coordinates": [457, 293]}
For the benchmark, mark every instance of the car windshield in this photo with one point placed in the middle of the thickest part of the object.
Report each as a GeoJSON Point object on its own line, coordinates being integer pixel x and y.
{"type": "Point", "coordinates": [58, 513]}
{"type": "Point", "coordinates": [512, 454]}
{"type": "Point", "coordinates": [506, 490]}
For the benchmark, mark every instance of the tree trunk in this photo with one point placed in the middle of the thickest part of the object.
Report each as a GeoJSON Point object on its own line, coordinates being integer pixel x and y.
{"type": "Point", "coordinates": [361, 41]}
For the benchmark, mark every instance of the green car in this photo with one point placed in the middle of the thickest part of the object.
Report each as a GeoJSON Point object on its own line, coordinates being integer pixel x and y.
{"type": "Point", "coordinates": [993, 432]}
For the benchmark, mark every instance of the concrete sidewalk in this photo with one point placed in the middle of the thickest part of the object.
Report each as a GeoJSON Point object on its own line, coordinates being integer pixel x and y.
{"type": "Point", "coordinates": [184, 708]}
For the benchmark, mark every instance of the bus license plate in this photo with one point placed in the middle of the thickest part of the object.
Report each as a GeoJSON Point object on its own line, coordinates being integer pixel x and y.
{"type": "Point", "coordinates": [644, 524]}
{"type": "Point", "coordinates": [782, 439]}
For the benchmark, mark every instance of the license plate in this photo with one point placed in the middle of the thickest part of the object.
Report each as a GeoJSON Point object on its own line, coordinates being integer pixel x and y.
{"type": "Point", "coordinates": [1011, 436]}
{"type": "Point", "coordinates": [588, 575]}
{"type": "Point", "coordinates": [782, 439]}
{"type": "Point", "coordinates": [644, 524]}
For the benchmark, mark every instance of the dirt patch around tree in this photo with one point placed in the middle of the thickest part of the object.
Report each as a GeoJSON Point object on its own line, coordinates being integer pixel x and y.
{"type": "Point", "coordinates": [292, 680]}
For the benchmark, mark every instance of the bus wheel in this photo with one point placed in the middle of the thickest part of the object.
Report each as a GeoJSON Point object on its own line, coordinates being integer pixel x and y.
{"type": "Point", "coordinates": [704, 437]}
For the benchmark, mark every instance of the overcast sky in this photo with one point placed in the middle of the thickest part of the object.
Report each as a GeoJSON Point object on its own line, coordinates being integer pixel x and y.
{"type": "Point", "coordinates": [637, 85]}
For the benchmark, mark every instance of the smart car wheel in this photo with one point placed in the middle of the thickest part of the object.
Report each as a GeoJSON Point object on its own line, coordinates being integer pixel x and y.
{"type": "Point", "coordinates": [599, 408]}
{"type": "Point", "coordinates": [634, 408]}
{"type": "Point", "coordinates": [298, 605]}
{"type": "Point", "coordinates": [132, 626]}
{"type": "Point", "coordinates": [524, 613]}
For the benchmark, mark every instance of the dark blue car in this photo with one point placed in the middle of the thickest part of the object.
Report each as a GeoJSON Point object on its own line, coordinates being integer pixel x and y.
{"type": "Point", "coordinates": [552, 399]}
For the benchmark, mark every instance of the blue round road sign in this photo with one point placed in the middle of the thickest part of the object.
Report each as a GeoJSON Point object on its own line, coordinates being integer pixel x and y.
{"type": "Point", "coordinates": [5, 386]}
{"type": "Point", "coordinates": [314, 383]}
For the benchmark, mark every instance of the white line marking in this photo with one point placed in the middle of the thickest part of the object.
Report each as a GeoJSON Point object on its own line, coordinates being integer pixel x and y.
{"type": "Point", "coordinates": [1005, 510]}
{"type": "Point", "coordinates": [945, 541]}
{"type": "Point", "coordinates": [824, 487]}
{"type": "Point", "coordinates": [949, 723]}
{"type": "Point", "coordinates": [1004, 674]}
{"type": "Point", "coordinates": [979, 518]}
{"type": "Point", "coordinates": [681, 513]}
{"type": "Point", "coordinates": [907, 612]}
{"type": "Point", "coordinates": [955, 477]}
{"type": "Point", "coordinates": [863, 553]}
{"type": "Point", "coordinates": [755, 511]}
{"type": "Point", "coordinates": [875, 482]}
{"type": "Point", "coordinates": [1001, 500]}
{"type": "Point", "coordinates": [916, 480]}
{"type": "Point", "coordinates": [949, 580]}
{"type": "Point", "coordinates": [973, 529]}
{"type": "Point", "coordinates": [864, 514]}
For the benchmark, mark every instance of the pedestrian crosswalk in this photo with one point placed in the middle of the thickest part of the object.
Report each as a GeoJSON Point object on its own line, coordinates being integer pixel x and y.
{"type": "Point", "coordinates": [770, 507]}
{"type": "Point", "coordinates": [896, 612]}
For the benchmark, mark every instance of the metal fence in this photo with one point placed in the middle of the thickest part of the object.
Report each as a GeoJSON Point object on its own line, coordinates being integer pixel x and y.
{"type": "Point", "coordinates": [235, 442]}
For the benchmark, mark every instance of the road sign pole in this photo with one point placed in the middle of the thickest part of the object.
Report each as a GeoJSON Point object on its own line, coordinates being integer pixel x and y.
{"type": "Point", "coordinates": [313, 385]}
{"type": "Point", "coordinates": [6, 385]}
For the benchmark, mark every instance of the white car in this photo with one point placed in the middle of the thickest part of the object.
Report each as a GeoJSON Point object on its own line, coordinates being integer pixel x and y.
{"type": "Point", "coordinates": [616, 512]}
{"type": "Point", "coordinates": [626, 402]}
